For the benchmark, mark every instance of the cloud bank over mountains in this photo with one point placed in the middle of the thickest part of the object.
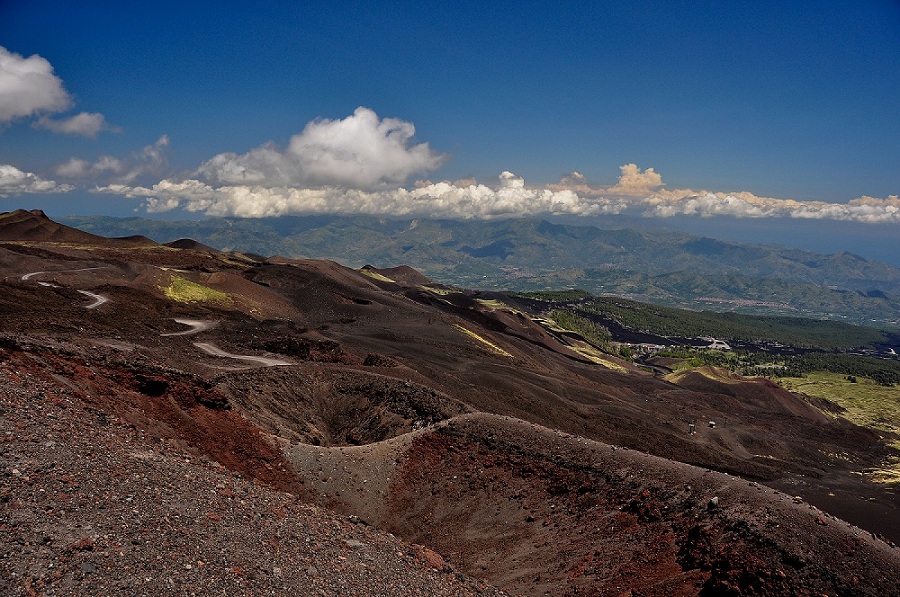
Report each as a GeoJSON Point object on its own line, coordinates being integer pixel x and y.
{"type": "Point", "coordinates": [511, 197]}
{"type": "Point", "coordinates": [443, 199]}
{"type": "Point", "coordinates": [360, 164]}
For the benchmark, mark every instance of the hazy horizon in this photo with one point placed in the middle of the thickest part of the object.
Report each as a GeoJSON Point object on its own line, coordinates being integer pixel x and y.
{"type": "Point", "coordinates": [874, 242]}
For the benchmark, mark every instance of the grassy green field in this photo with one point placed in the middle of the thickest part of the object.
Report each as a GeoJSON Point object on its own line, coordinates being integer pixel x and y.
{"type": "Point", "coordinates": [867, 404]}
{"type": "Point", "coordinates": [185, 291]}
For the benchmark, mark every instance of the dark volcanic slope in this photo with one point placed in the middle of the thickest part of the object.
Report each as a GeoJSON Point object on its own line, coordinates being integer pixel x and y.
{"type": "Point", "coordinates": [445, 418]}
{"type": "Point", "coordinates": [91, 504]}
{"type": "Point", "coordinates": [35, 226]}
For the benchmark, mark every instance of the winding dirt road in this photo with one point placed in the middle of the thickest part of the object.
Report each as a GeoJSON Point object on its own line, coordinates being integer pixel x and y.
{"type": "Point", "coordinates": [212, 349]}
{"type": "Point", "coordinates": [30, 275]}
{"type": "Point", "coordinates": [99, 299]}
{"type": "Point", "coordinates": [195, 326]}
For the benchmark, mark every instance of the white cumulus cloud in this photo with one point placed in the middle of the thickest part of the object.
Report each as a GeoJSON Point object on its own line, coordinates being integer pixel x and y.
{"type": "Point", "coordinates": [633, 182]}
{"type": "Point", "coordinates": [87, 124]}
{"type": "Point", "coordinates": [149, 161]}
{"type": "Point", "coordinates": [360, 151]}
{"type": "Point", "coordinates": [16, 182]}
{"type": "Point", "coordinates": [79, 168]}
{"type": "Point", "coordinates": [642, 191]}
{"type": "Point", "coordinates": [28, 86]}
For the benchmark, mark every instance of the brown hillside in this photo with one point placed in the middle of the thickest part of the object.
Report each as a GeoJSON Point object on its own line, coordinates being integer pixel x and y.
{"type": "Point", "coordinates": [35, 226]}
{"type": "Point", "coordinates": [403, 274]}
{"type": "Point", "coordinates": [187, 243]}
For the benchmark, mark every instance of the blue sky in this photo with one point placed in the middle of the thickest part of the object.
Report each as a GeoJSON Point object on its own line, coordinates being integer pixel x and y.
{"type": "Point", "coordinates": [775, 111]}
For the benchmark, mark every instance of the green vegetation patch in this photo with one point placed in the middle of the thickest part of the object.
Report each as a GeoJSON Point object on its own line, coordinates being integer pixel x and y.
{"type": "Point", "coordinates": [492, 304]}
{"type": "Point", "coordinates": [885, 372]}
{"type": "Point", "coordinates": [797, 331]}
{"type": "Point", "coordinates": [441, 291]}
{"type": "Point", "coordinates": [714, 373]}
{"type": "Point", "coordinates": [889, 474]}
{"type": "Point", "coordinates": [587, 329]}
{"type": "Point", "coordinates": [669, 321]}
{"type": "Point", "coordinates": [490, 345]}
{"type": "Point", "coordinates": [557, 295]}
{"type": "Point", "coordinates": [183, 290]}
{"type": "Point", "coordinates": [595, 356]}
{"type": "Point", "coordinates": [375, 275]}
{"type": "Point", "coordinates": [867, 404]}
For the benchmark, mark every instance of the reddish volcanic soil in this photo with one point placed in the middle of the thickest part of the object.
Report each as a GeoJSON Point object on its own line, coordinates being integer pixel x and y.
{"type": "Point", "coordinates": [481, 439]}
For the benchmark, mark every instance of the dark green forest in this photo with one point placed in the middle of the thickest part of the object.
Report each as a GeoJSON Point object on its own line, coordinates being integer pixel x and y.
{"type": "Point", "coordinates": [668, 321]}
{"type": "Point", "coordinates": [826, 345]}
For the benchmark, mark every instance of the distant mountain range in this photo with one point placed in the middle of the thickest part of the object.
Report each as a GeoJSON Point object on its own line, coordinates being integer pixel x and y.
{"type": "Point", "coordinates": [674, 269]}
